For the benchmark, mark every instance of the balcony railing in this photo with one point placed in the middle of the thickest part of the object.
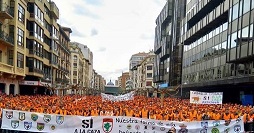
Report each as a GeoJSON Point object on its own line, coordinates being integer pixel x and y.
{"type": "Point", "coordinates": [6, 38]}
{"type": "Point", "coordinates": [6, 68]}
{"type": "Point", "coordinates": [54, 9]}
{"type": "Point", "coordinates": [6, 12]}
{"type": "Point", "coordinates": [54, 63]}
{"type": "Point", "coordinates": [34, 52]}
{"type": "Point", "coordinates": [35, 70]}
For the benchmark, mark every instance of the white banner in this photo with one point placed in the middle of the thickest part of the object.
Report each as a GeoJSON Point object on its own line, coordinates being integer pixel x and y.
{"type": "Point", "coordinates": [36, 122]}
{"type": "Point", "coordinates": [206, 98]}
{"type": "Point", "coordinates": [125, 97]}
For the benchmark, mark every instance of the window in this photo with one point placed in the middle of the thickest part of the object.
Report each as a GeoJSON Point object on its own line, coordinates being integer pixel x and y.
{"type": "Point", "coordinates": [20, 60]}
{"type": "Point", "coordinates": [251, 29]}
{"type": "Point", "coordinates": [149, 68]}
{"type": "Point", "coordinates": [246, 6]}
{"type": "Point", "coordinates": [252, 4]}
{"type": "Point", "coordinates": [74, 81]}
{"type": "Point", "coordinates": [75, 58]}
{"type": "Point", "coordinates": [10, 62]}
{"type": "Point", "coordinates": [38, 32]}
{"type": "Point", "coordinates": [149, 75]}
{"type": "Point", "coordinates": [38, 14]}
{"type": "Point", "coordinates": [235, 11]}
{"type": "Point", "coordinates": [74, 65]}
{"type": "Point", "coordinates": [223, 47]}
{"type": "Point", "coordinates": [37, 49]}
{"type": "Point", "coordinates": [75, 73]}
{"type": "Point", "coordinates": [21, 14]}
{"type": "Point", "coordinates": [20, 37]}
{"type": "Point", "coordinates": [233, 40]}
{"type": "Point", "coordinates": [149, 83]}
{"type": "Point", "coordinates": [225, 26]}
{"type": "Point", "coordinates": [245, 32]}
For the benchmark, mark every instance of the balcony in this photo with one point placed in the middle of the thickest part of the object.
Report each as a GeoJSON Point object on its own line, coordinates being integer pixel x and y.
{"type": "Point", "coordinates": [34, 52]}
{"type": "Point", "coordinates": [6, 68]}
{"type": "Point", "coordinates": [6, 12]}
{"type": "Point", "coordinates": [35, 70]}
{"type": "Point", "coordinates": [54, 10]}
{"type": "Point", "coordinates": [54, 64]}
{"type": "Point", "coordinates": [6, 39]}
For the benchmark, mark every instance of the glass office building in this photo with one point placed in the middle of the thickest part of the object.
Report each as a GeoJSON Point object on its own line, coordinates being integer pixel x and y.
{"type": "Point", "coordinates": [167, 49]}
{"type": "Point", "coordinates": [218, 47]}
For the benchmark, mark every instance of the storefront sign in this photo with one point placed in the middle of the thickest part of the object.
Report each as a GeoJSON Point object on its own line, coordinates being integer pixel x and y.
{"type": "Point", "coordinates": [35, 83]}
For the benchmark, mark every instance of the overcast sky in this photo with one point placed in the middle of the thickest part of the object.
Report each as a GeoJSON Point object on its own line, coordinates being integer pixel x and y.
{"type": "Point", "coordinates": [112, 29]}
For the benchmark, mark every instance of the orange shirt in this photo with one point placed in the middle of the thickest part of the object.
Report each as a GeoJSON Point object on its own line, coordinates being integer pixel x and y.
{"type": "Point", "coordinates": [144, 113]}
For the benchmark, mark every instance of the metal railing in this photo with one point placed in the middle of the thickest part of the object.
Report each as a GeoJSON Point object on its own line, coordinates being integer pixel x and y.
{"type": "Point", "coordinates": [4, 36]}
{"type": "Point", "coordinates": [6, 8]}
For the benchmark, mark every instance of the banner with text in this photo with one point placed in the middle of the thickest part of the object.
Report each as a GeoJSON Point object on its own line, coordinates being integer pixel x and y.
{"type": "Point", "coordinates": [125, 97]}
{"type": "Point", "coordinates": [50, 123]}
{"type": "Point", "coordinates": [205, 97]}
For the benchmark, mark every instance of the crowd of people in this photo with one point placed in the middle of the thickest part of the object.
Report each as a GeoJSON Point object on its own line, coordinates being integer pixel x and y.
{"type": "Point", "coordinates": [143, 107]}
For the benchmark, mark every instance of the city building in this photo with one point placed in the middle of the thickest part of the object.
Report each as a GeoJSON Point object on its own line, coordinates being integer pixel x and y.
{"type": "Point", "coordinates": [218, 48]}
{"type": "Point", "coordinates": [42, 42]}
{"type": "Point", "coordinates": [116, 83]}
{"type": "Point", "coordinates": [12, 45]}
{"type": "Point", "coordinates": [124, 78]}
{"type": "Point", "coordinates": [145, 73]}
{"type": "Point", "coordinates": [111, 89]}
{"type": "Point", "coordinates": [133, 62]}
{"type": "Point", "coordinates": [99, 84]}
{"type": "Point", "coordinates": [119, 79]}
{"type": "Point", "coordinates": [62, 75]}
{"type": "Point", "coordinates": [88, 55]}
{"type": "Point", "coordinates": [168, 49]}
{"type": "Point", "coordinates": [78, 68]}
{"type": "Point", "coordinates": [35, 51]}
{"type": "Point", "coordinates": [32, 56]}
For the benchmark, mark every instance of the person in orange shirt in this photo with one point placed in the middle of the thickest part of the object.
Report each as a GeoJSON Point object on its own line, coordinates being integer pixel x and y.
{"type": "Point", "coordinates": [137, 113]}
{"type": "Point", "coordinates": [144, 112]}
{"type": "Point", "coordinates": [158, 115]}
{"type": "Point", "coordinates": [129, 112]}
{"type": "Point", "coordinates": [94, 112]}
{"type": "Point", "coordinates": [152, 115]}
{"type": "Point", "coordinates": [226, 116]}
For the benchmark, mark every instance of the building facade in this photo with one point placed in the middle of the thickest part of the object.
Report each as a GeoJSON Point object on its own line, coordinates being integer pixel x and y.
{"type": "Point", "coordinates": [78, 63]}
{"type": "Point", "coordinates": [125, 77]}
{"type": "Point", "coordinates": [12, 45]}
{"type": "Point", "coordinates": [31, 59]}
{"type": "Point", "coordinates": [168, 49]}
{"type": "Point", "coordinates": [145, 72]}
{"type": "Point", "coordinates": [133, 62]}
{"type": "Point", "coordinates": [99, 85]}
{"type": "Point", "coordinates": [88, 55]}
{"type": "Point", "coordinates": [218, 51]}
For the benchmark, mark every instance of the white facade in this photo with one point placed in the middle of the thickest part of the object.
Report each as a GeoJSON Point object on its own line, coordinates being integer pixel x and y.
{"type": "Point", "coordinates": [88, 55]}
{"type": "Point", "coordinates": [133, 64]}
{"type": "Point", "coordinates": [145, 72]}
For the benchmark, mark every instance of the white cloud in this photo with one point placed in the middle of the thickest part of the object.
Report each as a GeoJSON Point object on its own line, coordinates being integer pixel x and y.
{"type": "Point", "coordinates": [125, 27]}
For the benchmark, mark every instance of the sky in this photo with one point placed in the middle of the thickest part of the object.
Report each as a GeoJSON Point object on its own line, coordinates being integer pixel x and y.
{"type": "Point", "coordinates": [112, 29]}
